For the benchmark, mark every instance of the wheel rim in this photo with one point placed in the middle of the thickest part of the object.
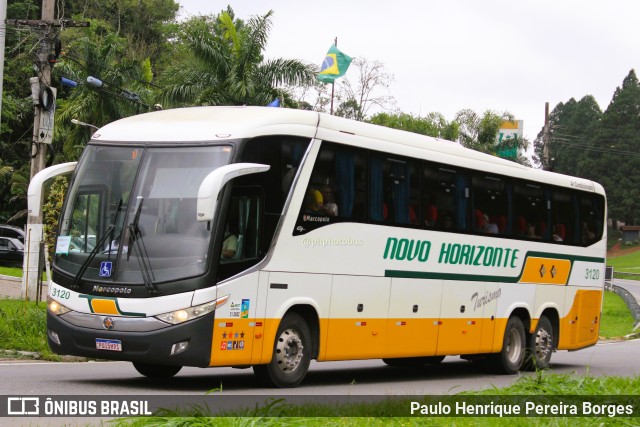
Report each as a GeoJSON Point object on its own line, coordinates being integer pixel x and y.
{"type": "Point", "coordinates": [514, 346]}
{"type": "Point", "coordinates": [289, 350]}
{"type": "Point", "coordinates": [543, 344]}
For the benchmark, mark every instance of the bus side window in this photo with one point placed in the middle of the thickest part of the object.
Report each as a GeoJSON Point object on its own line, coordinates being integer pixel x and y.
{"type": "Point", "coordinates": [283, 153]}
{"type": "Point", "coordinates": [591, 218]}
{"type": "Point", "coordinates": [339, 184]}
{"type": "Point", "coordinates": [491, 207]}
{"type": "Point", "coordinates": [399, 183]}
{"type": "Point", "coordinates": [530, 213]}
{"type": "Point", "coordinates": [564, 211]}
{"type": "Point", "coordinates": [240, 247]}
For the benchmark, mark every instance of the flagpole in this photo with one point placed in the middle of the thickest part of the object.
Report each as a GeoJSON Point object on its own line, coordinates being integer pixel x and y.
{"type": "Point", "coordinates": [333, 83]}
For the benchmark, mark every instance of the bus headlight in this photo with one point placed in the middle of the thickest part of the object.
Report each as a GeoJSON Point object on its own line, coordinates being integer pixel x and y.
{"type": "Point", "coordinates": [190, 313]}
{"type": "Point", "coordinates": [56, 308]}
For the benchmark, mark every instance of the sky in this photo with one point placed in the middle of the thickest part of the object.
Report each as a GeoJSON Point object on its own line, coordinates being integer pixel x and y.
{"type": "Point", "coordinates": [454, 54]}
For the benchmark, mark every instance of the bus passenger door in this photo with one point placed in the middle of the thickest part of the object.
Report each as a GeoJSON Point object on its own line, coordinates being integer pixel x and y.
{"type": "Point", "coordinates": [358, 317]}
{"type": "Point", "coordinates": [461, 318]}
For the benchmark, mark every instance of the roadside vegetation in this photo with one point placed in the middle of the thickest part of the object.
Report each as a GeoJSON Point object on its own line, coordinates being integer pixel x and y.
{"type": "Point", "coordinates": [22, 328]}
{"type": "Point", "coordinates": [627, 263]}
{"type": "Point", "coordinates": [542, 387]}
{"type": "Point", "coordinates": [617, 320]}
{"type": "Point", "coordinates": [11, 271]}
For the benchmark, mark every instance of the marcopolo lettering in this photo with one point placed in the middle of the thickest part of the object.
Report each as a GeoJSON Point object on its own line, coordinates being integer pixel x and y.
{"type": "Point", "coordinates": [477, 255]}
{"type": "Point", "coordinates": [405, 249]}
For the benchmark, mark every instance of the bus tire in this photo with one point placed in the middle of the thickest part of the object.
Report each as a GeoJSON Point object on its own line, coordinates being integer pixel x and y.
{"type": "Point", "coordinates": [509, 360]}
{"type": "Point", "coordinates": [291, 354]}
{"type": "Point", "coordinates": [156, 371]}
{"type": "Point", "coordinates": [540, 346]}
{"type": "Point", "coordinates": [413, 362]}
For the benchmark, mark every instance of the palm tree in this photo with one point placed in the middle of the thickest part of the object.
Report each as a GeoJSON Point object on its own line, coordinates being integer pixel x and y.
{"type": "Point", "coordinates": [98, 52]}
{"type": "Point", "coordinates": [223, 64]}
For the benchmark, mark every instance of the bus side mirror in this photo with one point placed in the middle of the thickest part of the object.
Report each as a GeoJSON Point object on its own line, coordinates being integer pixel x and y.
{"type": "Point", "coordinates": [215, 181]}
{"type": "Point", "coordinates": [34, 193]}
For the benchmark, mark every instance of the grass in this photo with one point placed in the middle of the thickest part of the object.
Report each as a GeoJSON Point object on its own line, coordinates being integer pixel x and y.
{"type": "Point", "coordinates": [22, 327]}
{"type": "Point", "coordinates": [629, 263]}
{"type": "Point", "coordinates": [617, 320]}
{"type": "Point", "coordinates": [541, 388]}
{"type": "Point", "coordinates": [11, 271]}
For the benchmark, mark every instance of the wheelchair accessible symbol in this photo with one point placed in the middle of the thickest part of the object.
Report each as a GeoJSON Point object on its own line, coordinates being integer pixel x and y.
{"type": "Point", "coordinates": [105, 269]}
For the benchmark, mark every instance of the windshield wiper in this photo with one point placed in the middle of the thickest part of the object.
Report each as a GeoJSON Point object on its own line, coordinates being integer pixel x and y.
{"type": "Point", "coordinates": [135, 237]}
{"type": "Point", "coordinates": [83, 268]}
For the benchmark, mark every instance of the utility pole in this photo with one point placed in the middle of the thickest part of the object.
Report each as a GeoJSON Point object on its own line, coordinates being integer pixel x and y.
{"type": "Point", "coordinates": [44, 109]}
{"type": "Point", "coordinates": [35, 230]}
{"type": "Point", "coordinates": [546, 136]}
{"type": "Point", "coordinates": [3, 34]}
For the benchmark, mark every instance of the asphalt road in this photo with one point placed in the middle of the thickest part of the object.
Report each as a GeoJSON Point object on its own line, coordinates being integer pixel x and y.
{"type": "Point", "coordinates": [632, 286]}
{"type": "Point", "coordinates": [370, 377]}
{"type": "Point", "coordinates": [350, 378]}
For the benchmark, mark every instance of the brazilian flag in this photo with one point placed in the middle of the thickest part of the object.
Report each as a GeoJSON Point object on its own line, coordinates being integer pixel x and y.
{"type": "Point", "coordinates": [335, 64]}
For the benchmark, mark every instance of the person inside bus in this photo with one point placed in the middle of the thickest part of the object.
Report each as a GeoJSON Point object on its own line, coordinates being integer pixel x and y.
{"type": "Point", "coordinates": [447, 221]}
{"type": "Point", "coordinates": [314, 203]}
{"type": "Point", "coordinates": [329, 206]}
{"type": "Point", "coordinates": [229, 244]}
{"type": "Point", "coordinates": [531, 231]}
{"type": "Point", "coordinates": [430, 215]}
{"type": "Point", "coordinates": [479, 222]}
{"type": "Point", "coordinates": [489, 226]}
{"type": "Point", "coordinates": [587, 235]}
{"type": "Point", "coordinates": [558, 233]}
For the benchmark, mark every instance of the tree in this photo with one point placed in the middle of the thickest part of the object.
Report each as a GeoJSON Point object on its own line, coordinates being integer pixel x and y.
{"type": "Point", "coordinates": [572, 126]}
{"type": "Point", "coordinates": [222, 63]}
{"type": "Point", "coordinates": [98, 52]}
{"type": "Point", "coordinates": [434, 124]}
{"type": "Point", "coordinates": [17, 110]}
{"type": "Point", "coordinates": [368, 89]}
{"type": "Point", "coordinates": [479, 132]}
{"type": "Point", "coordinates": [613, 158]}
{"type": "Point", "coordinates": [349, 109]}
{"type": "Point", "coordinates": [143, 23]}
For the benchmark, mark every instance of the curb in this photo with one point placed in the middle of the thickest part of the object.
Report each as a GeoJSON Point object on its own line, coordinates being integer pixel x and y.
{"type": "Point", "coordinates": [630, 300]}
{"type": "Point", "coordinates": [34, 355]}
{"type": "Point", "coordinates": [10, 278]}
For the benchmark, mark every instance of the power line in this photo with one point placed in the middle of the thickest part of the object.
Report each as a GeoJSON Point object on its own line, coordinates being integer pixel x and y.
{"type": "Point", "coordinates": [594, 148]}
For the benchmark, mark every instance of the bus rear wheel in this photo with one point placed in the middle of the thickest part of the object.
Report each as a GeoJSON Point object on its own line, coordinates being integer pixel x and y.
{"type": "Point", "coordinates": [510, 358]}
{"type": "Point", "coordinates": [541, 345]}
{"type": "Point", "coordinates": [291, 354]}
{"type": "Point", "coordinates": [156, 371]}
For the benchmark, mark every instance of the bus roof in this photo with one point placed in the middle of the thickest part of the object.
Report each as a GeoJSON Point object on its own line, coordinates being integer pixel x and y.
{"type": "Point", "coordinates": [207, 124]}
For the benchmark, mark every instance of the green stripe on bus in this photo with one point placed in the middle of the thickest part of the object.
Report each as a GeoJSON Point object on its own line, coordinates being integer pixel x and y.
{"type": "Point", "coordinates": [406, 274]}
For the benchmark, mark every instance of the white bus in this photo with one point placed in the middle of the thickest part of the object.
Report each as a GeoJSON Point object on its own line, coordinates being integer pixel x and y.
{"type": "Point", "coordinates": [266, 237]}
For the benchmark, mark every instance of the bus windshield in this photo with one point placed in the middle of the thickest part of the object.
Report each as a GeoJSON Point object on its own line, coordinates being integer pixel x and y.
{"type": "Point", "coordinates": [130, 215]}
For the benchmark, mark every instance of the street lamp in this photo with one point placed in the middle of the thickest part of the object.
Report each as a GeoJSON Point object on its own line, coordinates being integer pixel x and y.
{"type": "Point", "coordinates": [79, 123]}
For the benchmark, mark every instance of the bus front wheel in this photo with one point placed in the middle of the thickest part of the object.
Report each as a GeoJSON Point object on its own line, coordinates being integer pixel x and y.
{"type": "Point", "coordinates": [510, 358]}
{"type": "Point", "coordinates": [291, 354]}
{"type": "Point", "coordinates": [541, 345]}
{"type": "Point", "coordinates": [156, 371]}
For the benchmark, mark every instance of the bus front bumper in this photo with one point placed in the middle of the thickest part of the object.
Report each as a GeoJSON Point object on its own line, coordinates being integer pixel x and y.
{"type": "Point", "coordinates": [190, 342]}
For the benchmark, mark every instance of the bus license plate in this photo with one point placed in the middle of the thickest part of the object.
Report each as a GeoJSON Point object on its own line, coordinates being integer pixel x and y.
{"type": "Point", "coordinates": [109, 345]}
